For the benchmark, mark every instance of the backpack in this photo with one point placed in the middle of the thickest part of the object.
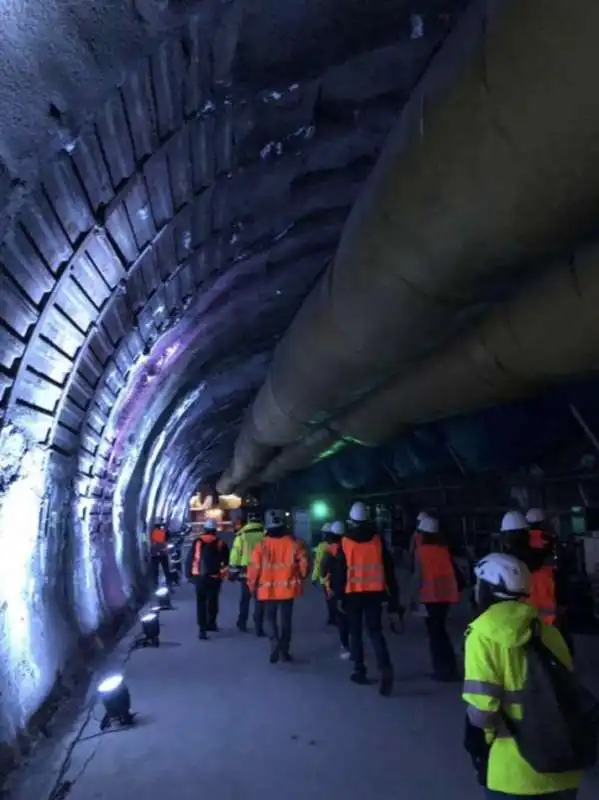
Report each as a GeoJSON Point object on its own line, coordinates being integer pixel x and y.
{"type": "Point", "coordinates": [210, 559]}
{"type": "Point", "coordinates": [559, 729]}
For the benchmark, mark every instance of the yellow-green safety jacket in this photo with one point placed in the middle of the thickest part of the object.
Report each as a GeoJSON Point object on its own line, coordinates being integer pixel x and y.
{"type": "Point", "coordinates": [319, 553]}
{"type": "Point", "coordinates": [245, 541]}
{"type": "Point", "coordinates": [495, 673]}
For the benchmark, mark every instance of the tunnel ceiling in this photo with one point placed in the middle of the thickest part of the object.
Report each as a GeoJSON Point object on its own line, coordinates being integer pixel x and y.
{"type": "Point", "coordinates": [159, 237]}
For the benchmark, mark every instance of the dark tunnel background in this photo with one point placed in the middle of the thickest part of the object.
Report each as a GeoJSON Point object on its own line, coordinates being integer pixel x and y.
{"type": "Point", "coordinates": [174, 179]}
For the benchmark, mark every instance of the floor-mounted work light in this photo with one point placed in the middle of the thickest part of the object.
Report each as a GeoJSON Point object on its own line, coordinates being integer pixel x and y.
{"type": "Point", "coordinates": [163, 596]}
{"type": "Point", "coordinates": [117, 701]}
{"type": "Point", "coordinates": [150, 627]}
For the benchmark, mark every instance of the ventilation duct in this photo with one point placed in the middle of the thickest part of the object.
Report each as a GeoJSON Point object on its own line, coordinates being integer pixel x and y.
{"type": "Point", "coordinates": [501, 173]}
{"type": "Point", "coordinates": [547, 333]}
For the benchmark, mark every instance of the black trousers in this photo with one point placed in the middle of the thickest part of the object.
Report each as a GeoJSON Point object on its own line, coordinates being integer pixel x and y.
{"type": "Point", "coordinates": [365, 610]}
{"type": "Point", "coordinates": [245, 600]}
{"type": "Point", "coordinates": [207, 597]}
{"type": "Point", "coordinates": [441, 649]}
{"type": "Point", "coordinates": [343, 627]}
{"type": "Point", "coordinates": [332, 612]}
{"type": "Point", "coordinates": [279, 615]}
{"type": "Point", "coordinates": [160, 560]}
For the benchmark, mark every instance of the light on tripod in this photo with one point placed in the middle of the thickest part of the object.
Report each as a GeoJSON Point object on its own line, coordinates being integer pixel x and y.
{"type": "Point", "coordinates": [150, 626]}
{"type": "Point", "coordinates": [117, 701]}
{"type": "Point", "coordinates": [163, 596]}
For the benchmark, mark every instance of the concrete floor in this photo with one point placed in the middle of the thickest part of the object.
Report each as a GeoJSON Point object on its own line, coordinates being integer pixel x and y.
{"type": "Point", "coordinates": [217, 720]}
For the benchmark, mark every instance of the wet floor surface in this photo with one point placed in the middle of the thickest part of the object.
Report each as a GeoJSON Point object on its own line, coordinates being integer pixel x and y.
{"type": "Point", "coordinates": [216, 719]}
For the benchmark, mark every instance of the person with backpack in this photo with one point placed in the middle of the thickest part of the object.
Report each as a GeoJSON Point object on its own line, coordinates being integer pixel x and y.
{"type": "Point", "coordinates": [206, 567]}
{"type": "Point", "coordinates": [507, 693]}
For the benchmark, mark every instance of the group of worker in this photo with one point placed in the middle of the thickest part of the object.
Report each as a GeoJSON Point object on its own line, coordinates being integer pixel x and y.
{"type": "Point", "coordinates": [514, 589]}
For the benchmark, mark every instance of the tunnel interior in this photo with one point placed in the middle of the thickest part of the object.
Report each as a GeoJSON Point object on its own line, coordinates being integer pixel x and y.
{"type": "Point", "coordinates": [175, 179]}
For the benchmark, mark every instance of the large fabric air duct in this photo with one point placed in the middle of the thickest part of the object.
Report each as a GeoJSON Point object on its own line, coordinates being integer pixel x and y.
{"type": "Point", "coordinates": [547, 333]}
{"type": "Point", "coordinates": [470, 191]}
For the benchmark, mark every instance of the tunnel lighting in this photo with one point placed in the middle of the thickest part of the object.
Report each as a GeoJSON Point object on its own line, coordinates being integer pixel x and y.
{"type": "Point", "coordinates": [320, 510]}
{"type": "Point", "coordinates": [117, 701]}
{"type": "Point", "coordinates": [163, 595]}
{"type": "Point", "coordinates": [150, 626]}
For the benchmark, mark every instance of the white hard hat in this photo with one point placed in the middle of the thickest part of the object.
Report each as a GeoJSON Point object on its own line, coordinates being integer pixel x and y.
{"type": "Point", "coordinates": [326, 527]}
{"type": "Point", "coordinates": [358, 513]}
{"type": "Point", "coordinates": [275, 518]}
{"type": "Point", "coordinates": [508, 577]}
{"type": "Point", "coordinates": [428, 525]}
{"type": "Point", "coordinates": [421, 515]}
{"type": "Point", "coordinates": [209, 525]}
{"type": "Point", "coordinates": [513, 521]}
{"type": "Point", "coordinates": [338, 528]}
{"type": "Point", "coordinates": [535, 515]}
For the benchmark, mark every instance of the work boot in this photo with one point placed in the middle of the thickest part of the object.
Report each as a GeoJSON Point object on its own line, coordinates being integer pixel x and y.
{"type": "Point", "coordinates": [275, 654]}
{"type": "Point", "coordinates": [242, 627]}
{"type": "Point", "coordinates": [359, 677]}
{"type": "Point", "coordinates": [213, 628]}
{"type": "Point", "coordinates": [260, 634]}
{"type": "Point", "coordinates": [386, 682]}
{"type": "Point", "coordinates": [203, 636]}
{"type": "Point", "coordinates": [287, 657]}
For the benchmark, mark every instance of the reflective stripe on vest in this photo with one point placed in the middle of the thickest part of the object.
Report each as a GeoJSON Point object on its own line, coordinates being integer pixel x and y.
{"type": "Point", "coordinates": [438, 581]}
{"type": "Point", "coordinates": [365, 568]}
{"type": "Point", "coordinates": [542, 595]}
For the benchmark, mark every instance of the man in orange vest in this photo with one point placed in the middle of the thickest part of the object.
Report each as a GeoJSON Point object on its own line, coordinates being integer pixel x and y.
{"type": "Point", "coordinates": [275, 576]}
{"type": "Point", "coordinates": [436, 583]}
{"type": "Point", "coordinates": [206, 567]}
{"type": "Point", "coordinates": [362, 579]}
{"type": "Point", "coordinates": [538, 560]}
{"type": "Point", "coordinates": [158, 552]}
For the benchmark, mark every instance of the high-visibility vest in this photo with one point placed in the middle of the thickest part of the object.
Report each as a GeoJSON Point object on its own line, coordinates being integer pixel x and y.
{"type": "Point", "coordinates": [278, 568]}
{"type": "Point", "coordinates": [495, 675]}
{"type": "Point", "coordinates": [542, 595]}
{"type": "Point", "coordinates": [365, 567]}
{"type": "Point", "coordinates": [158, 536]}
{"type": "Point", "coordinates": [438, 582]}
{"type": "Point", "coordinates": [537, 539]}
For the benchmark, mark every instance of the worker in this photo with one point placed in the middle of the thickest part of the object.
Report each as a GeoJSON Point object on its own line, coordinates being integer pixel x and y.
{"type": "Point", "coordinates": [319, 552]}
{"type": "Point", "coordinates": [246, 540]}
{"type": "Point", "coordinates": [435, 589]}
{"type": "Point", "coordinates": [539, 534]}
{"type": "Point", "coordinates": [206, 567]}
{"type": "Point", "coordinates": [159, 553]}
{"type": "Point", "coordinates": [495, 672]}
{"type": "Point", "coordinates": [516, 533]}
{"type": "Point", "coordinates": [276, 573]}
{"type": "Point", "coordinates": [362, 580]}
{"type": "Point", "coordinates": [326, 569]}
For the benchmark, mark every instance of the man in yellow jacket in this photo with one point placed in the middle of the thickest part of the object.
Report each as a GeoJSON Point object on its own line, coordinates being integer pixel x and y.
{"type": "Point", "coordinates": [495, 676]}
{"type": "Point", "coordinates": [246, 540]}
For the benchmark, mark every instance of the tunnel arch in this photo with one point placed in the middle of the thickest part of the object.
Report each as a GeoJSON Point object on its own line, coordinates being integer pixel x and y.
{"type": "Point", "coordinates": [165, 245]}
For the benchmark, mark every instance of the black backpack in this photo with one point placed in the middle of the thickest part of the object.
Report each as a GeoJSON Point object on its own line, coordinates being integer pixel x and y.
{"type": "Point", "coordinates": [211, 559]}
{"type": "Point", "coordinates": [559, 729]}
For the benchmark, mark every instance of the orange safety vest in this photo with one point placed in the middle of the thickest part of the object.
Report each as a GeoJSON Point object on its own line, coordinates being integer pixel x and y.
{"type": "Point", "coordinates": [537, 539]}
{"type": "Point", "coordinates": [542, 595]}
{"type": "Point", "coordinates": [438, 582]}
{"type": "Point", "coordinates": [278, 568]}
{"type": "Point", "coordinates": [365, 567]}
{"type": "Point", "coordinates": [196, 564]}
{"type": "Point", "coordinates": [158, 536]}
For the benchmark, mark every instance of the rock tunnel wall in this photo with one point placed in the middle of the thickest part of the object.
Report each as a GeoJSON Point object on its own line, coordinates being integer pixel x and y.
{"type": "Point", "coordinates": [151, 256]}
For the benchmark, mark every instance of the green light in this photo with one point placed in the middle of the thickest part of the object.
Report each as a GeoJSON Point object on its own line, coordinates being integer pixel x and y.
{"type": "Point", "coordinates": [320, 510]}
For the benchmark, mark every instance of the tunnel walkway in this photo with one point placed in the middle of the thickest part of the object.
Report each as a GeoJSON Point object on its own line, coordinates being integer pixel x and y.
{"type": "Point", "coordinates": [215, 719]}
